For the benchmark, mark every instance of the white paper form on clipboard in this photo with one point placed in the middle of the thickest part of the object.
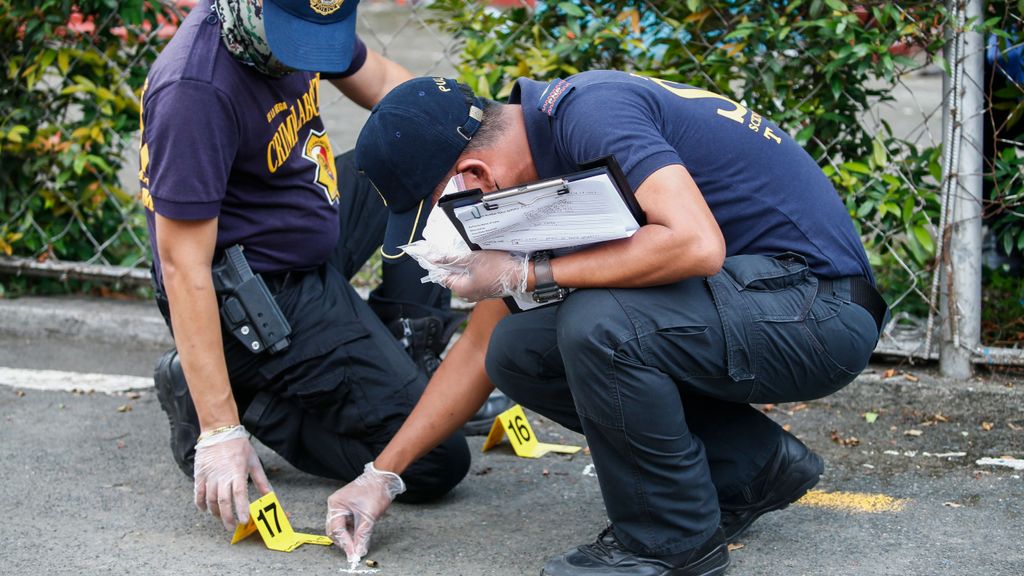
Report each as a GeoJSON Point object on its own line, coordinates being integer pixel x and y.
{"type": "Point", "coordinates": [559, 214]}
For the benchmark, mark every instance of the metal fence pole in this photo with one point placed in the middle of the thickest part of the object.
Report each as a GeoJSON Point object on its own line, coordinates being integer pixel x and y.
{"type": "Point", "coordinates": [961, 267]}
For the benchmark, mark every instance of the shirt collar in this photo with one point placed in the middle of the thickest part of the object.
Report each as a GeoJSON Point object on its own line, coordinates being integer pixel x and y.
{"type": "Point", "coordinates": [539, 134]}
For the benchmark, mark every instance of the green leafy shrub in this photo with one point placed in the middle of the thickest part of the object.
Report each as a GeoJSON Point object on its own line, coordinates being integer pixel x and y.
{"type": "Point", "coordinates": [816, 67]}
{"type": "Point", "coordinates": [805, 64]}
{"type": "Point", "coordinates": [69, 104]}
{"type": "Point", "coordinates": [1004, 169]}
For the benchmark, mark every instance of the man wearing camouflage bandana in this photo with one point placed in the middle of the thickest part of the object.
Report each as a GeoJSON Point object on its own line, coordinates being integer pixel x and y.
{"type": "Point", "coordinates": [234, 153]}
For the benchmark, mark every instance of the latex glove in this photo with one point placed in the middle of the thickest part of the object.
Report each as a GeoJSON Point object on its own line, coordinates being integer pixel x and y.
{"type": "Point", "coordinates": [353, 510]}
{"type": "Point", "coordinates": [486, 274]}
{"type": "Point", "coordinates": [224, 462]}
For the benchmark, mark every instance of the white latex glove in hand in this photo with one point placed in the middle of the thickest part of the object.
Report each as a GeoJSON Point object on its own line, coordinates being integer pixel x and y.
{"type": "Point", "coordinates": [441, 241]}
{"type": "Point", "coordinates": [353, 510]}
{"type": "Point", "coordinates": [484, 274]}
{"type": "Point", "coordinates": [224, 463]}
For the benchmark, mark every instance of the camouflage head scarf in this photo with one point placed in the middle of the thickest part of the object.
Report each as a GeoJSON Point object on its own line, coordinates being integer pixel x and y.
{"type": "Point", "coordinates": [241, 30]}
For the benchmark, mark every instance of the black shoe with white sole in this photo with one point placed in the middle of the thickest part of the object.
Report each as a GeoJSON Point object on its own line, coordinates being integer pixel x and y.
{"type": "Point", "coordinates": [609, 557]}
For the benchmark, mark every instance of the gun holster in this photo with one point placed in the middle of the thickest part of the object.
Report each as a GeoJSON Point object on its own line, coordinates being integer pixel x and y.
{"type": "Point", "coordinates": [247, 308]}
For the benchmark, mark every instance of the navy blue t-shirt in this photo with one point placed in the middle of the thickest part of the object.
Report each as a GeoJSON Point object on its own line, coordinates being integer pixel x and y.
{"type": "Point", "coordinates": [767, 194]}
{"type": "Point", "coordinates": [220, 140]}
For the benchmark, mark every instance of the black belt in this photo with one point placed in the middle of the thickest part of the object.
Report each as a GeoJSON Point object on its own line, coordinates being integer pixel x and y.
{"type": "Point", "coordinates": [277, 281]}
{"type": "Point", "coordinates": [862, 293]}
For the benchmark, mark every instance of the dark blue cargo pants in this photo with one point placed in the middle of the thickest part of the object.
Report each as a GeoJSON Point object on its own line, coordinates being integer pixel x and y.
{"type": "Point", "coordinates": [660, 380]}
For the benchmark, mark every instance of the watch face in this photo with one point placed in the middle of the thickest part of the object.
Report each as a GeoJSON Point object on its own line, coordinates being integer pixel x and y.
{"type": "Point", "coordinates": [549, 294]}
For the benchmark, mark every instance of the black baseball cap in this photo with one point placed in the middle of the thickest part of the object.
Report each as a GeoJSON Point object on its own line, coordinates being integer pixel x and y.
{"type": "Point", "coordinates": [314, 35]}
{"type": "Point", "coordinates": [413, 137]}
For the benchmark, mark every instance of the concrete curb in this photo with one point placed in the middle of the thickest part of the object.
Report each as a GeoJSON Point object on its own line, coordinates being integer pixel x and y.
{"type": "Point", "coordinates": [98, 319]}
{"type": "Point", "coordinates": [101, 320]}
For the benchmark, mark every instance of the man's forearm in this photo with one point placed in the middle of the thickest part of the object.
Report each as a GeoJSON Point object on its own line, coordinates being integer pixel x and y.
{"type": "Point", "coordinates": [456, 391]}
{"type": "Point", "coordinates": [375, 79]}
{"type": "Point", "coordinates": [681, 240]}
{"type": "Point", "coordinates": [197, 336]}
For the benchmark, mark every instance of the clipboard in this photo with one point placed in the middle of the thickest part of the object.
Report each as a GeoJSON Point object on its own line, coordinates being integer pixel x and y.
{"type": "Point", "coordinates": [474, 201]}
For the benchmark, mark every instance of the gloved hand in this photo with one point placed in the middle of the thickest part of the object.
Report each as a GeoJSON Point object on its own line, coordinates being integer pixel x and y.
{"type": "Point", "coordinates": [353, 510]}
{"type": "Point", "coordinates": [224, 463]}
{"type": "Point", "coordinates": [486, 274]}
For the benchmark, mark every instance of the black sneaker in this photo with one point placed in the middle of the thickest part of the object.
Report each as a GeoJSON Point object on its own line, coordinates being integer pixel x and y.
{"type": "Point", "coordinates": [608, 557]}
{"type": "Point", "coordinates": [792, 471]}
{"type": "Point", "coordinates": [481, 422]}
{"type": "Point", "coordinates": [172, 390]}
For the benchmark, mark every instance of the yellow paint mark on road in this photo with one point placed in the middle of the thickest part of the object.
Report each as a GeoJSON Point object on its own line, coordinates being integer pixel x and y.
{"type": "Point", "coordinates": [853, 502]}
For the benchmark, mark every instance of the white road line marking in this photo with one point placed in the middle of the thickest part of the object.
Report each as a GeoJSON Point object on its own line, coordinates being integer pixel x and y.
{"type": "Point", "coordinates": [67, 381]}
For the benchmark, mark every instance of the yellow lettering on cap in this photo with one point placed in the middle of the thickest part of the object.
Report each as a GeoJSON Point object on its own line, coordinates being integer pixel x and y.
{"type": "Point", "coordinates": [441, 84]}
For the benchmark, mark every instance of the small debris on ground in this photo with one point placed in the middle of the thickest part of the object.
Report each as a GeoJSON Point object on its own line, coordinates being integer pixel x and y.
{"type": "Point", "coordinates": [1004, 461]}
{"type": "Point", "coordinates": [124, 408]}
{"type": "Point", "coordinates": [914, 433]}
{"type": "Point", "coordinates": [849, 442]}
{"type": "Point", "coordinates": [986, 426]}
{"type": "Point", "coordinates": [735, 547]}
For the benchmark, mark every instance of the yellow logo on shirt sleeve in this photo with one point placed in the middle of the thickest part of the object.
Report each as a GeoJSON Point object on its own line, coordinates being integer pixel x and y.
{"type": "Point", "coordinates": [144, 195]}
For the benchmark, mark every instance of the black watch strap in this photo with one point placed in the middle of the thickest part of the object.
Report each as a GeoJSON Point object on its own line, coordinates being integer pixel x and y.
{"type": "Point", "coordinates": [545, 288]}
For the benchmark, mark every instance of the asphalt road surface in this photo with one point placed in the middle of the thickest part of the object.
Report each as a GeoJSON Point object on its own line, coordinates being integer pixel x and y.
{"type": "Point", "coordinates": [90, 487]}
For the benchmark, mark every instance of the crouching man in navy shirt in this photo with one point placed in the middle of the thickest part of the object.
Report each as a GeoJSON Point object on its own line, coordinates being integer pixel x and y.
{"type": "Point", "coordinates": [747, 284]}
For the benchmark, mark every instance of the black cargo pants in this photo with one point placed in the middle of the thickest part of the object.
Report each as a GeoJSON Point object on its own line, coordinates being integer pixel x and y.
{"type": "Point", "coordinates": [660, 380]}
{"type": "Point", "coordinates": [332, 400]}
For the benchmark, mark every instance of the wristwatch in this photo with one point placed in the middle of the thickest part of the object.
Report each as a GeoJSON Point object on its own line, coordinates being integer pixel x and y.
{"type": "Point", "coordinates": [545, 288]}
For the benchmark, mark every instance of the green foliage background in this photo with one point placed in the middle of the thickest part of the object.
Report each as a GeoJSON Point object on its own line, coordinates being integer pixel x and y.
{"type": "Point", "coordinates": [68, 107]}
{"type": "Point", "coordinates": [72, 72]}
{"type": "Point", "coordinates": [813, 66]}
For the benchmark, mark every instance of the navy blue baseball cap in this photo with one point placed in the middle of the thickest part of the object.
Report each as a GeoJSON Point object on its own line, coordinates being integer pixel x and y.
{"type": "Point", "coordinates": [313, 35]}
{"type": "Point", "coordinates": [412, 138]}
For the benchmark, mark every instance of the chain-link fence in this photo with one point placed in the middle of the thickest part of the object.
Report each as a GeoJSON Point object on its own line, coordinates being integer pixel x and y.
{"type": "Point", "coordinates": [898, 161]}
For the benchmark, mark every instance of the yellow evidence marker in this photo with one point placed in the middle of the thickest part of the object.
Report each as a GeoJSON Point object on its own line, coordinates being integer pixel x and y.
{"type": "Point", "coordinates": [267, 517]}
{"type": "Point", "coordinates": [521, 436]}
